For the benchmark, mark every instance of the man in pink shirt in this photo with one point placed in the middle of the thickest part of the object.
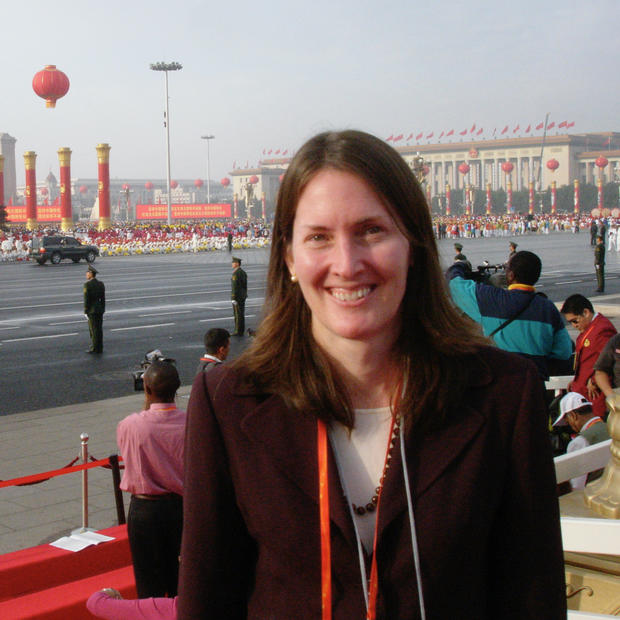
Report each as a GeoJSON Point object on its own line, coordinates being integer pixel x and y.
{"type": "Point", "coordinates": [151, 444]}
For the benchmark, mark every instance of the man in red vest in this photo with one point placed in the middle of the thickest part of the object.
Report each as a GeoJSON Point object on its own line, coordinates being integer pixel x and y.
{"type": "Point", "coordinates": [595, 330]}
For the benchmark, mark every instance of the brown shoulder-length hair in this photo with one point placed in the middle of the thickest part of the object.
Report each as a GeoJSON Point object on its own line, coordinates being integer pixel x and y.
{"type": "Point", "coordinates": [285, 359]}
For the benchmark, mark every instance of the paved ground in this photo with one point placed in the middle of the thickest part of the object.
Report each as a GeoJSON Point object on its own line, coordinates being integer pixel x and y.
{"type": "Point", "coordinates": [48, 439]}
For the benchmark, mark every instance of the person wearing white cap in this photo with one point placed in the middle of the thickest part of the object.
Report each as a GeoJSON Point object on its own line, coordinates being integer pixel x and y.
{"type": "Point", "coordinates": [576, 411]}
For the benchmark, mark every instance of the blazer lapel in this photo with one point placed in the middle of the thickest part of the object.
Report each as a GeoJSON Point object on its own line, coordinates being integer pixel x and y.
{"type": "Point", "coordinates": [291, 440]}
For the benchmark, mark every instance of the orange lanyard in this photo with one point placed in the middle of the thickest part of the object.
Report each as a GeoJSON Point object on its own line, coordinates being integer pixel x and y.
{"type": "Point", "coordinates": [326, 580]}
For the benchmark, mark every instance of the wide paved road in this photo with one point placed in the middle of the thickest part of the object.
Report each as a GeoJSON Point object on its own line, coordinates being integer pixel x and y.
{"type": "Point", "coordinates": [168, 302]}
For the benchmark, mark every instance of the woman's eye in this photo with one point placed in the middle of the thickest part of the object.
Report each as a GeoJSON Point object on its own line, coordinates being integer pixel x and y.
{"type": "Point", "coordinates": [373, 230]}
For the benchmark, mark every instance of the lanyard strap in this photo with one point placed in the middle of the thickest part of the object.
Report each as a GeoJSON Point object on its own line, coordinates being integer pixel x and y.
{"type": "Point", "coordinates": [326, 589]}
{"type": "Point", "coordinates": [326, 568]}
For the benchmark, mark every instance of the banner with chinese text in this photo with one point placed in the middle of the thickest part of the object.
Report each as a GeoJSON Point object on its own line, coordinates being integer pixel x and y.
{"type": "Point", "coordinates": [17, 213]}
{"type": "Point", "coordinates": [182, 211]}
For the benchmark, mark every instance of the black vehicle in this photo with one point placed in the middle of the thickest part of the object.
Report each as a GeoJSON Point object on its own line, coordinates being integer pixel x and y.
{"type": "Point", "coordinates": [57, 247]}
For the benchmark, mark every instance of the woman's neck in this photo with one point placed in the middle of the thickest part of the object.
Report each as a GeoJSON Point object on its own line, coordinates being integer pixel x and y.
{"type": "Point", "coordinates": [368, 371]}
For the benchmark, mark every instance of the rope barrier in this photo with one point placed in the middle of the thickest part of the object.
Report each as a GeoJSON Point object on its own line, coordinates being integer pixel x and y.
{"type": "Point", "coordinates": [46, 475]}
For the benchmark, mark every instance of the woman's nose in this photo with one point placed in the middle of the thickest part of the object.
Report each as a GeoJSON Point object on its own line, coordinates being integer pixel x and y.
{"type": "Point", "coordinates": [346, 257]}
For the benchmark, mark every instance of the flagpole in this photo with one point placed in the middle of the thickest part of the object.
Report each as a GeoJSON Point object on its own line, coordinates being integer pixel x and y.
{"type": "Point", "coordinates": [542, 150]}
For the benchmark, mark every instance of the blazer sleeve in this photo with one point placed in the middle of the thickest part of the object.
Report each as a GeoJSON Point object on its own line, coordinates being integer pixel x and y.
{"type": "Point", "coordinates": [527, 566]}
{"type": "Point", "coordinates": [217, 553]}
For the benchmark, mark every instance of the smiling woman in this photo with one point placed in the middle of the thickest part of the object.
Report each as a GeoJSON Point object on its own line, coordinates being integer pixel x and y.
{"type": "Point", "coordinates": [364, 383]}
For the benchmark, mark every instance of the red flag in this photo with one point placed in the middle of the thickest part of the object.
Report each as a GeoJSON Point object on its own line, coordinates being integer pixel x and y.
{"type": "Point", "coordinates": [450, 133]}
{"type": "Point", "coordinates": [409, 137]}
{"type": "Point", "coordinates": [504, 130]}
{"type": "Point", "coordinates": [441, 135]}
{"type": "Point", "coordinates": [550, 125]}
{"type": "Point", "coordinates": [539, 126]}
{"type": "Point", "coordinates": [528, 129]}
{"type": "Point", "coordinates": [479, 131]}
{"type": "Point", "coordinates": [473, 128]}
{"type": "Point", "coordinates": [269, 151]}
{"type": "Point", "coordinates": [285, 152]}
{"type": "Point", "coordinates": [607, 142]}
{"type": "Point", "coordinates": [390, 138]}
{"type": "Point", "coordinates": [515, 129]}
{"type": "Point", "coordinates": [419, 136]}
{"type": "Point", "coordinates": [571, 124]}
{"type": "Point", "coordinates": [277, 152]}
{"type": "Point", "coordinates": [398, 137]}
{"type": "Point", "coordinates": [562, 124]}
{"type": "Point", "coordinates": [462, 133]}
{"type": "Point", "coordinates": [430, 135]}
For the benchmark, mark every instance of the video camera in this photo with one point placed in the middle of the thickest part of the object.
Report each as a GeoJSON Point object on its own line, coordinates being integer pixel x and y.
{"type": "Point", "coordinates": [485, 271]}
{"type": "Point", "coordinates": [152, 356]}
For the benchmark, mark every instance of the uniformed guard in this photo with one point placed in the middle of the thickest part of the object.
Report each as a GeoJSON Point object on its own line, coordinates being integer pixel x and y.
{"type": "Point", "coordinates": [239, 293]}
{"type": "Point", "coordinates": [94, 307]}
{"type": "Point", "coordinates": [599, 263]}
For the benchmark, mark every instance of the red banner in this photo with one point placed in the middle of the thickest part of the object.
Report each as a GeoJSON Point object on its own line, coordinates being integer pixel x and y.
{"type": "Point", "coordinates": [44, 213]}
{"type": "Point", "coordinates": [182, 211]}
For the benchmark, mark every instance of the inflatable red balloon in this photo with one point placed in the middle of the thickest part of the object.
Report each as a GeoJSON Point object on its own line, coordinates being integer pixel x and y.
{"type": "Point", "coordinates": [463, 168]}
{"type": "Point", "coordinates": [553, 165]}
{"type": "Point", "coordinates": [148, 185]}
{"type": "Point", "coordinates": [253, 179]}
{"type": "Point", "coordinates": [174, 184]}
{"type": "Point", "coordinates": [225, 181]}
{"type": "Point", "coordinates": [601, 162]}
{"type": "Point", "coordinates": [507, 167]}
{"type": "Point", "coordinates": [198, 183]}
{"type": "Point", "coordinates": [50, 84]}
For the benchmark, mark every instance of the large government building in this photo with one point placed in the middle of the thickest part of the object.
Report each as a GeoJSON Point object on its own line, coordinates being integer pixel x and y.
{"type": "Point", "coordinates": [574, 155]}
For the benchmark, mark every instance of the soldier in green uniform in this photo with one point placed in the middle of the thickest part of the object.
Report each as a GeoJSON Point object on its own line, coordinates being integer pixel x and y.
{"type": "Point", "coordinates": [94, 307]}
{"type": "Point", "coordinates": [239, 293]}
{"type": "Point", "coordinates": [599, 263]}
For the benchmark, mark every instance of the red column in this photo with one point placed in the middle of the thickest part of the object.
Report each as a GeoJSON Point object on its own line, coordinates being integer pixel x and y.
{"type": "Point", "coordinates": [531, 198]}
{"type": "Point", "coordinates": [30, 159]}
{"type": "Point", "coordinates": [448, 204]}
{"type": "Point", "coordinates": [554, 197]}
{"type": "Point", "coordinates": [509, 197]}
{"type": "Point", "coordinates": [599, 183]}
{"type": "Point", "coordinates": [2, 204]}
{"type": "Point", "coordinates": [66, 216]}
{"type": "Point", "coordinates": [576, 183]}
{"type": "Point", "coordinates": [235, 206]}
{"type": "Point", "coordinates": [467, 201]}
{"type": "Point", "coordinates": [262, 203]}
{"type": "Point", "coordinates": [103, 170]}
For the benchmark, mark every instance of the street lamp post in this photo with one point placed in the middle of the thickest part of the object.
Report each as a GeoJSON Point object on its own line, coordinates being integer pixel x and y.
{"type": "Point", "coordinates": [207, 138]}
{"type": "Point", "coordinates": [165, 67]}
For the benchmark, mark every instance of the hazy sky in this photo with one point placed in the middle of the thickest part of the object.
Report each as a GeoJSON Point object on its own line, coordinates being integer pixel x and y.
{"type": "Point", "coordinates": [268, 75]}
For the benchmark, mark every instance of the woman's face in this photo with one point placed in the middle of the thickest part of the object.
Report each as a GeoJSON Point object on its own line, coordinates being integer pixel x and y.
{"type": "Point", "coordinates": [351, 260]}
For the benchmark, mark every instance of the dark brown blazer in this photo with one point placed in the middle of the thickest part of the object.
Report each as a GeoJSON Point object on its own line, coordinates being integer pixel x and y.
{"type": "Point", "coordinates": [484, 502]}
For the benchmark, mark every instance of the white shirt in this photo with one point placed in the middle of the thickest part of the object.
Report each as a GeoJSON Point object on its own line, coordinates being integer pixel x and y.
{"type": "Point", "coordinates": [361, 457]}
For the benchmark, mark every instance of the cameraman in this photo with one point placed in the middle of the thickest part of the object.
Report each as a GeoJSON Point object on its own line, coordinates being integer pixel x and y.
{"type": "Point", "coordinates": [518, 319]}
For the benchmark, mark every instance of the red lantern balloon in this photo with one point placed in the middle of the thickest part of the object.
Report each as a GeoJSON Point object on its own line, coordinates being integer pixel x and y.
{"type": "Point", "coordinates": [198, 183]}
{"type": "Point", "coordinates": [50, 84]}
{"type": "Point", "coordinates": [83, 189]}
{"type": "Point", "coordinates": [253, 179]}
{"type": "Point", "coordinates": [225, 182]}
{"type": "Point", "coordinates": [463, 168]}
{"type": "Point", "coordinates": [126, 186]}
{"type": "Point", "coordinates": [601, 162]}
{"type": "Point", "coordinates": [553, 165]}
{"type": "Point", "coordinates": [148, 185]}
{"type": "Point", "coordinates": [44, 191]}
{"type": "Point", "coordinates": [507, 167]}
{"type": "Point", "coordinates": [174, 184]}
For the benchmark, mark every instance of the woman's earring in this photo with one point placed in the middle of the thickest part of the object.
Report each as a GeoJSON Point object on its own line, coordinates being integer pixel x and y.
{"type": "Point", "coordinates": [293, 278]}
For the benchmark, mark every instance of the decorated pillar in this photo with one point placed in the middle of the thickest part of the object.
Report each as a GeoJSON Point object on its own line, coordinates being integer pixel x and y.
{"type": "Point", "coordinates": [576, 183]}
{"type": "Point", "coordinates": [448, 202]}
{"type": "Point", "coordinates": [599, 184]}
{"type": "Point", "coordinates": [489, 205]}
{"type": "Point", "coordinates": [235, 206]}
{"type": "Point", "coordinates": [509, 197]}
{"type": "Point", "coordinates": [30, 160]}
{"type": "Point", "coordinates": [428, 194]}
{"type": "Point", "coordinates": [103, 171]}
{"type": "Point", "coordinates": [467, 201]}
{"type": "Point", "coordinates": [531, 198]}
{"type": "Point", "coordinates": [262, 204]}
{"type": "Point", "coordinates": [66, 216]}
{"type": "Point", "coordinates": [2, 204]}
{"type": "Point", "coordinates": [554, 197]}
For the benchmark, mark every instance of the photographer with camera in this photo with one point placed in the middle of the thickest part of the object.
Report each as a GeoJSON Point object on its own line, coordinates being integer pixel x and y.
{"type": "Point", "coordinates": [518, 319]}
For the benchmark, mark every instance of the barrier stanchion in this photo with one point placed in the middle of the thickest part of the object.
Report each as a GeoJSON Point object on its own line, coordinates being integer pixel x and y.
{"type": "Point", "coordinates": [84, 454]}
{"type": "Point", "coordinates": [118, 494]}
